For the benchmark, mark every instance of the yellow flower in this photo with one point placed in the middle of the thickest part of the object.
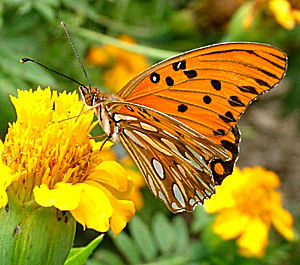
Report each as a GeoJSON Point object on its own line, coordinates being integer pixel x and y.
{"type": "Point", "coordinates": [286, 12]}
{"type": "Point", "coordinates": [136, 195]}
{"type": "Point", "coordinates": [248, 204]}
{"type": "Point", "coordinates": [125, 64]}
{"type": "Point", "coordinates": [50, 160]}
{"type": "Point", "coordinates": [139, 182]}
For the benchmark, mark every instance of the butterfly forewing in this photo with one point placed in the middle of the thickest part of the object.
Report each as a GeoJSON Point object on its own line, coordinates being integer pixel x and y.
{"type": "Point", "coordinates": [209, 88]}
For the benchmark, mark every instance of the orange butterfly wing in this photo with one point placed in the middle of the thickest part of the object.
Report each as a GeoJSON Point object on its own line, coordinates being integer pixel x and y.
{"type": "Point", "coordinates": [208, 89]}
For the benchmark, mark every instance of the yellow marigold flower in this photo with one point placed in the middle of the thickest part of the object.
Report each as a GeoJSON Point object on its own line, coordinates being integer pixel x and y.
{"type": "Point", "coordinates": [286, 12]}
{"type": "Point", "coordinates": [51, 161]}
{"type": "Point", "coordinates": [248, 204]}
{"type": "Point", "coordinates": [136, 195]}
{"type": "Point", "coordinates": [139, 182]}
{"type": "Point", "coordinates": [283, 13]}
{"type": "Point", "coordinates": [125, 64]}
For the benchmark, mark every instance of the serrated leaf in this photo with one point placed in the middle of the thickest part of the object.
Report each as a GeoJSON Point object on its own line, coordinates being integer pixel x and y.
{"type": "Point", "coordinates": [181, 235]}
{"type": "Point", "coordinates": [78, 256]}
{"type": "Point", "coordinates": [164, 232]}
{"type": "Point", "coordinates": [127, 247]}
{"type": "Point", "coordinates": [45, 10]}
{"type": "Point", "coordinates": [143, 237]}
{"type": "Point", "coordinates": [104, 256]}
{"type": "Point", "coordinates": [201, 219]}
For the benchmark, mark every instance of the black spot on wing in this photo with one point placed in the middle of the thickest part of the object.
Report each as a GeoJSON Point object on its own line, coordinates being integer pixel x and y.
{"type": "Point", "coordinates": [216, 84]}
{"type": "Point", "coordinates": [248, 89]}
{"type": "Point", "coordinates": [141, 114]}
{"type": "Point", "coordinates": [235, 102]}
{"type": "Point", "coordinates": [182, 108]}
{"type": "Point", "coordinates": [190, 73]}
{"type": "Point", "coordinates": [169, 81]}
{"type": "Point", "coordinates": [154, 77]}
{"type": "Point", "coordinates": [262, 82]}
{"type": "Point", "coordinates": [129, 108]}
{"type": "Point", "coordinates": [180, 65]}
{"type": "Point", "coordinates": [228, 117]}
{"type": "Point", "coordinates": [206, 99]}
{"type": "Point", "coordinates": [219, 132]}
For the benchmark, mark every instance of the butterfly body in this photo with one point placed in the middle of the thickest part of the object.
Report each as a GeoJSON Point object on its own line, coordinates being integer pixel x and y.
{"type": "Point", "coordinates": [178, 118]}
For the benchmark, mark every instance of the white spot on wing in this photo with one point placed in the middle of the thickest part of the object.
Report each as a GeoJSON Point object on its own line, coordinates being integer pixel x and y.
{"type": "Point", "coordinates": [162, 197]}
{"type": "Point", "coordinates": [175, 206]}
{"type": "Point", "coordinates": [171, 145]}
{"type": "Point", "coordinates": [175, 173]}
{"type": "Point", "coordinates": [148, 127]}
{"type": "Point", "coordinates": [120, 117]}
{"type": "Point", "coordinates": [200, 195]}
{"type": "Point", "coordinates": [178, 195]}
{"type": "Point", "coordinates": [158, 168]}
{"type": "Point", "coordinates": [133, 138]}
{"type": "Point", "coordinates": [181, 169]}
{"type": "Point", "coordinates": [191, 201]}
{"type": "Point", "coordinates": [151, 185]}
{"type": "Point", "coordinates": [167, 133]}
{"type": "Point", "coordinates": [151, 142]}
{"type": "Point", "coordinates": [199, 158]}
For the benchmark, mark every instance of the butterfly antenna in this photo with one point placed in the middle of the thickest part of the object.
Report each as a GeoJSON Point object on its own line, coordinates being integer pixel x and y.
{"type": "Point", "coordinates": [24, 60]}
{"type": "Point", "coordinates": [75, 51]}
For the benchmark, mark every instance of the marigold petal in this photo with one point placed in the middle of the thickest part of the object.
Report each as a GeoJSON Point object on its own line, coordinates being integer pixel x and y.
{"type": "Point", "coordinates": [230, 224]}
{"type": "Point", "coordinates": [221, 201]}
{"type": "Point", "coordinates": [117, 172]}
{"type": "Point", "coordinates": [6, 178]}
{"type": "Point", "coordinates": [123, 212]}
{"type": "Point", "coordinates": [94, 210]}
{"type": "Point", "coordinates": [296, 14]}
{"type": "Point", "coordinates": [64, 196]}
{"type": "Point", "coordinates": [283, 222]}
{"type": "Point", "coordinates": [254, 239]}
{"type": "Point", "coordinates": [1, 147]}
{"type": "Point", "coordinates": [283, 13]}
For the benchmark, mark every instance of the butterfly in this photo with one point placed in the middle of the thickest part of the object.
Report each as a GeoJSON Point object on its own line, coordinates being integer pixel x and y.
{"type": "Point", "coordinates": [177, 119]}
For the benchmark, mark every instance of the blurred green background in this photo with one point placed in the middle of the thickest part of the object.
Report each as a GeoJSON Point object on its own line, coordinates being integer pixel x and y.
{"type": "Point", "coordinates": [31, 28]}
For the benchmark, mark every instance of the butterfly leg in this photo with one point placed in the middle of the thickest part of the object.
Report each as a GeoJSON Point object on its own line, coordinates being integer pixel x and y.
{"type": "Point", "coordinates": [76, 116]}
{"type": "Point", "coordinates": [98, 137]}
{"type": "Point", "coordinates": [102, 145]}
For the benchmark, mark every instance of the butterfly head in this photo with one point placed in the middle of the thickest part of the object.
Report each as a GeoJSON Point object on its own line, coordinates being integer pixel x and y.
{"type": "Point", "coordinates": [91, 95]}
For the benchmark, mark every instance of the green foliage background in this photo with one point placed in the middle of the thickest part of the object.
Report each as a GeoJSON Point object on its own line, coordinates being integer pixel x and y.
{"type": "Point", "coordinates": [31, 28]}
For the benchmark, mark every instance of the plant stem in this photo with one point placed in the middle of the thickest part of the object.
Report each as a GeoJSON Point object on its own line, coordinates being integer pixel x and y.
{"type": "Point", "coordinates": [104, 39]}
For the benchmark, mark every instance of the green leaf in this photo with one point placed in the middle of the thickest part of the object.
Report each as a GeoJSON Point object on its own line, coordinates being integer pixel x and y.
{"type": "Point", "coordinates": [201, 219]}
{"type": "Point", "coordinates": [182, 234]}
{"type": "Point", "coordinates": [127, 247]}
{"type": "Point", "coordinates": [143, 238]}
{"type": "Point", "coordinates": [164, 232]}
{"type": "Point", "coordinates": [45, 10]}
{"type": "Point", "coordinates": [78, 256]}
{"type": "Point", "coordinates": [104, 256]}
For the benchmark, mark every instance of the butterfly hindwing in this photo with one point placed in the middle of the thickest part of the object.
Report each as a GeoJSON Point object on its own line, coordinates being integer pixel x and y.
{"type": "Point", "coordinates": [177, 163]}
